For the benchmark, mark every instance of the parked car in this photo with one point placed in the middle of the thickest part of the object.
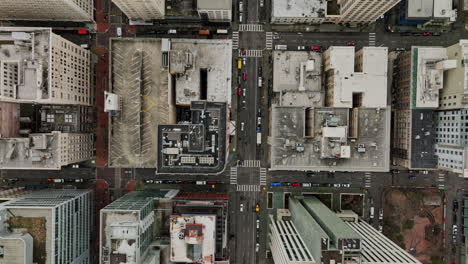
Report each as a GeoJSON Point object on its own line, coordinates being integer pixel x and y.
{"type": "Point", "coordinates": [257, 247]}
{"type": "Point", "coordinates": [306, 184]}
{"type": "Point", "coordinates": [172, 31]}
{"type": "Point", "coordinates": [300, 47]}
{"type": "Point", "coordinates": [211, 182]}
{"type": "Point", "coordinates": [346, 185]}
{"type": "Point", "coordinates": [275, 184]}
{"type": "Point", "coordinates": [427, 33]}
{"type": "Point", "coordinates": [257, 208]}
{"type": "Point", "coordinates": [201, 182]}
{"type": "Point", "coordinates": [381, 214]}
{"type": "Point", "coordinates": [455, 205]}
{"type": "Point", "coordinates": [315, 184]}
{"type": "Point", "coordinates": [311, 174]}
{"type": "Point", "coordinates": [239, 91]}
{"type": "Point", "coordinates": [337, 185]}
{"type": "Point", "coordinates": [412, 177]}
{"type": "Point", "coordinates": [243, 92]}
{"type": "Point", "coordinates": [350, 43]}
{"type": "Point", "coordinates": [400, 49]}
{"type": "Point", "coordinates": [327, 185]}
{"type": "Point", "coordinates": [296, 184]}
{"type": "Point", "coordinates": [258, 223]}
{"type": "Point", "coordinates": [241, 208]}
{"type": "Point", "coordinates": [286, 183]}
{"type": "Point", "coordinates": [315, 48]}
{"type": "Point", "coordinates": [244, 76]}
{"type": "Point", "coordinates": [59, 180]}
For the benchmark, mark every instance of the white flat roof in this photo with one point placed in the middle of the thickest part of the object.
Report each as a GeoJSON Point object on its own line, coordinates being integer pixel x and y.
{"type": "Point", "coordinates": [443, 8]}
{"type": "Point", "coordinates": [371, 82]}
{"type": "Point", "coordinates": [180, 243]}
{"type": "Point", "coordinates": [299, 8]}
{"type": "Point", "coordinates": [421, 8]}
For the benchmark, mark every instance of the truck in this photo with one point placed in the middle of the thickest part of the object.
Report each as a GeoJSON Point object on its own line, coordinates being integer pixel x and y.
{"type": "Point", "coordinates": [281, 47]}
{"type": "Point", "coordinates": [204, 32]}
{"type": "Point", "coordinates": [259, 138]}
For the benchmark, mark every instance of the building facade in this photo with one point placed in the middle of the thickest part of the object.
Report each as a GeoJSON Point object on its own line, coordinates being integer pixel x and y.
{"type": "Point", "coordinates": [216, 11]}
{"type": "Point", "coordinates": [54, 71]}
{"type": "Point", "coordinates": [146, 10]}
{"type": "Point", "coordinates": [45, 151]}
{"type": "Point", "coordinates": [66, 220]}
{"type": "Point", "coordinates": [360, 11]}
{"type": "Point", "coordinates": [10, 119]}
{"type": "Point", "coordinates": [54, 10]}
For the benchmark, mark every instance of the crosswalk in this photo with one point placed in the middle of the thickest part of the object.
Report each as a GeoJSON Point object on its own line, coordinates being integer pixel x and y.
{"type": "Point", "coordinates": [235, 40]}
{"type": "Point", "coordinates": [250, 163]}
{"type": "Point", "coordinates": [372, 39]}
{"type": "Point", "coordinates": [441, 180]}
{"type": "Point", "coordinates": [250, 27]}
{"type": "Point", "coordinates": [251, 53]}
{"type": "Point", "coordinates": [248, 188]}
{"type": "Point", "coordinates": [269, 40]}
{"type": "Point", "coordinates": [263, 176]}
{"type": "Point", "coordinates": [233, 175]}
{"type": "Point", "coordinates": [367, 180]}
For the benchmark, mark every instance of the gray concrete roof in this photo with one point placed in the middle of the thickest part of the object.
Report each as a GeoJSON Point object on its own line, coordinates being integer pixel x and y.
{"type": "Point", "coordinates": [299, 8]}
{"type": "Point", "coordinates": [214, 4]}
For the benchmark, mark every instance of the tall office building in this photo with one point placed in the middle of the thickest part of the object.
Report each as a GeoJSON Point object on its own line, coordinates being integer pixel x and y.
{"type": "Point", "coordinates": [54, 10]}
{"type": "Point", "coordinates": [45, 151]}
{"type": "Point", "coordinates": [143, 9]}
{"type": "Point", "coordinates": [420, 78]}
{"type": "Point", "coordinates": [38, 66]}
{"type": "Point", "coordinates": [360, 11]}
{"type": "Point", "coordinates": [59, 221]}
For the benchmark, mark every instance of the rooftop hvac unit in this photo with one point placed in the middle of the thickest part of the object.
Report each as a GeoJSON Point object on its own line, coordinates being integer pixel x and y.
{"type": "Point", "coordinates": [361, 148]}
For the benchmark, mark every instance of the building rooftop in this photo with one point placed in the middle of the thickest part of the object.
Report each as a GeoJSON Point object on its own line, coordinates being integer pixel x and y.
{"type": "Point", "coordinates": [363, 73]}
{"type": "Point", "coordinates": [420, 9]}
{"type": "Point", "coordinates": [38, 151]}
{"type": "Point", "coordinates": [298, 76]}
{"type": "Point", "coordinates": [137, 200]}
{"type": "Point", "coordinates": [329, 138]}
{"type": "Point", "coordinates": [193, 238]}
{"type": "Point", "coordinates": [50, 198]}
{"type": "Point", "coordinates": [332, 224]}
{"type": "Point", "coordinates": [377, 248]}
{"type": "Point", "coordinates": [202, 70]}
{"type": "Point", "coordinates": [217, 4]}
{"type": "Point", "coordinates": [195, 146]}
{"type": "Point", "coordinates": [427, 75]}
{"type": "Point", "coordinates": [299, 8]}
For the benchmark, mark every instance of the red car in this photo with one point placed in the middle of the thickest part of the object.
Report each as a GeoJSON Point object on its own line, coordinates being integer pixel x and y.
{"type": "Point", "coordinates": [239, 91]}
{"type": "Point", "coordinates": [350, 43]}
{"type": "Point", "coordinates": [50, 180]}
{"type": "Point", "coordinates": [211, 182]}
{"type": "Point", "coordinates": [427, 33]}
{"type": "Point", "coordinates": [244, 76]}
{"type": "Point", "coordinates": [315, 48]}
{"type": "Point", "coordinates": [82, 31]}
{"type": "Point", "coordinates": [243, 51]}
{"type": "Point", "coordinates": [296, 184]}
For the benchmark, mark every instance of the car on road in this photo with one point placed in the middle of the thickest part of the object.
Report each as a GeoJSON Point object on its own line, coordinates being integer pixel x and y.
{"type": "Point", "coordinates": [240, 17]}
{"type": "Point", "coordinates": [75, 166]}
{"type": "Point", "coordinates": [259, 121]}
{"type": "Point", "coordinates": [82, 31]}
{"type": "Point", "coordinates": [455, 205]}
{"type": "Point", "coordinates": [286, 183]}
{"type": "Point", "coordinates": [180, 182]}
{"type": "Point", "coordinates": [244, 61]}
{"type": "Point", "coordinates": [58, 180]}
{"type": "Point", "coordinates": [239, 91]}
{"type": "Point", "coordinates": [242, 126]}
{"type": "Point", "coordinates": [424, 172]}
{"type": "Point", "coordinates": [350, 43]}
{"type": "Point", "coordinates": [11, 180]}
{"type": "Point", "coordinates": [239, 64]}
{"type": "Point", "coordinates": [257, 235]}
{"type": "Point", "coordinates": [296, 184]}
{"type": "Point", "coordinates": [261, 3]}
{"type": "Point", "coordinates": [327, 185]}
{"type": "Point", "coordinates": [241, 6]}
{"type": "Point", "coordinates": [201, 182]}
{"type": "Point", "coordinates": [395, 171]}
{"type": "Point", "coordinates": [260, 72]}
{"type": "Point", "coordinates": [381, 214]}
{"type": "Point", "coordinates": [211, 182]}
{"type": "Point", "coordinates": [300, 47]}
{"type": "Point", "coordinates": [400, 49]}
{"type": "Point", "coordinates": [243, 51]}
{"type": "Point", "coordinates": [412, 177]}
{"type": "Point", "coordinates": [169, 182]}
{"type": "Point", "coordinates": [275, 184]}
{"type": "Point", "coordinates": [315, 48]}
{"type": "Point", "coordinates": [172, 31]}
{"type": "Point", "coordinates": [257, 208]}
{"type": "Point", "coordinates": [244, 76]}
{"type": "Point", "coordinates": [380, 228]}
{"type": "Point", "coordinates": [257, 247]}
{"type": "Point", "coordinates": [258, 223]}
{"type": "Point", "coordinates": [315, 184]}
{"type": "Point", "coordinates": [346, 185]}
{"type": "Point", "coordinates": [336, 185]}
{"type": "Point", "coordinates": [436, 34]}
{"type": "Point", "coordinates": [311, 174]}
{"type": "Point", "coordinates": [243, 92]}
{"type": "Point", "coordinates": [427, 33]}
{"type": "Point", "coordinates": [73, 180]}
{"type": "Point", "coordinates": [241, 208]}
{"type": "Point", "coordinates": [306, 184]}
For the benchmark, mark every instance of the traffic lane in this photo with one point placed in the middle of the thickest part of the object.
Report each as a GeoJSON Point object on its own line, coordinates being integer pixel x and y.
{"type": "Point", "coordinates": [65, 173]}
{"type": "Point", "coordinates": [252, 14]}
{"type": "Point", "coordinates": [244, 229]}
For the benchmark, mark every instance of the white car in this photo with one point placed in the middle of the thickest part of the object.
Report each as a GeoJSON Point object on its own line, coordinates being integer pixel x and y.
{"type": "Point", "coordinates": [242, 126]}
{"type": "Point", "coordinates": [380, 228]}
{"type": "Point", "coordinates": [346, 185]}
{"type": "Point", "coordinates": [59, 180]}
{"type": "Point", "coordinates": [380, 213]}
{"type": "Point", "coordinates": [172, 31]}
{"type": "Point", "coordinates": [241, 207]}
{"type": "Point", "coordinates": [300, 47]}
{"type": "Point", "coordinates": [244, 60]}
{"type": "Point", "coordinates": [243, 92]}
{"type": "Point", "coordinates": [119, 32]}
{"type": "Point", "coordinates": [337, 185]}
{"type": "Point", "coordinates": [201, 182]}
{"type": "Point", "coordinates": [306, 184]}
{"type": "Point", "coordinates": [257, 247]}
{"type": "Point", "coordinates": [258, 223]}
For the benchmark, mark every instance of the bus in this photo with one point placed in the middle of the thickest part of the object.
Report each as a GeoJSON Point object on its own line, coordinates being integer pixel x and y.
{"type": "Point", "coordinates": [239, 64]}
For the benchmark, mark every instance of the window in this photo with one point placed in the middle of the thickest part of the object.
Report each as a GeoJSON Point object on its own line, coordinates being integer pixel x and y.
{"type": "Point", "coordinates": [68, 118]}
{"type": "Point", "coordinates": [50, 118]}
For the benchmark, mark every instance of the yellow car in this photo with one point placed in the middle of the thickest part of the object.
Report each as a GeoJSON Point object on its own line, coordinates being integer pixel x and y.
{"type": "Point", "coordinates": [239, 64]}
{"type": "Point", "coordinates": [257, 208]}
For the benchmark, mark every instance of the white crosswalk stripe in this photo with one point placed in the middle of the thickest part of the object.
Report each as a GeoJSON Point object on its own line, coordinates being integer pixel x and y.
{"type": "Point", "coordinates": [235, 40]}
{"type": "Point", "coordinates": [248, 188]}
{"type": "Point", "coordinates": [250, 163]}
{"type": "Point", "coordinates": [269, 40]}
{"type": "Point", "coordinates": [250, 27]}
{"type": "Point", "coordinates": [441, 180]}
{"type": "Point", "coordinates": [367, 180]}
{"type": "Point", "coordinates": [263, 176]}
{"type": "Point", "coordinates": [251, 53]}
{"type": "Point", "coordinates": [233, 175]}
{"type": "Point", "coordinates": [372, 39]}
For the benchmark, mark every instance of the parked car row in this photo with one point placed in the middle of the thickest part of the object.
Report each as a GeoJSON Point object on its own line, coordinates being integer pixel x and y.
{"type": "Point", "coordinates": [309, 184]}
{"type": "Point", "coordinates": [64, 180]}
{"type": "Point", "coordinates": [149, 181]}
